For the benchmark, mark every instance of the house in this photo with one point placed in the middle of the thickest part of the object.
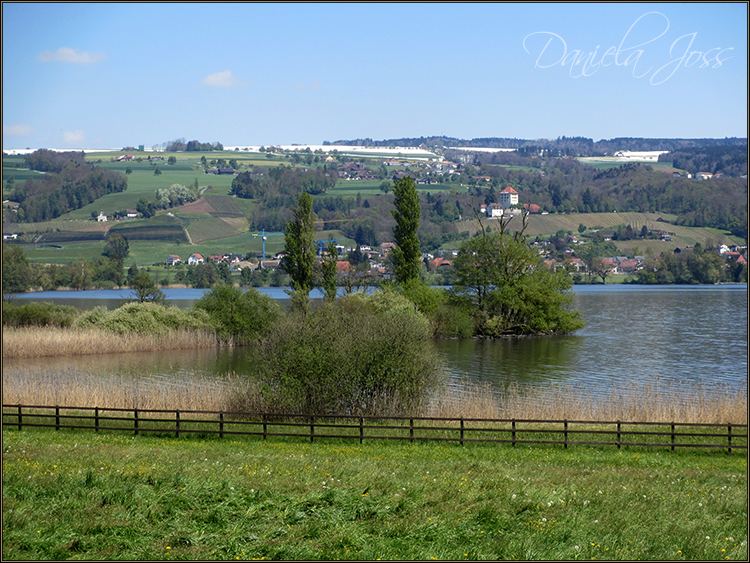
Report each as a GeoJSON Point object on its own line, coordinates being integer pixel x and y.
{"type": "Point", "coordinates": [703, 175]}
{"type": "Point", "coordinates": [132, 214]}
{"type": "Point", "coordinates": [508, 197]}
{"type": "Point", "coordinates": [173, 260]}
{"type": "Point", "coordinates": [532, 208]}
{"type": "Point", "coordinates": [216, 258]}
{"type": "Point", "coordinates": [578, 264]}
{"type": "Point", "coordinates": [343, 266]}
{"type": "Point", "coordinates": [494, 210]}
{"type": "Point", "coordinates": [386, 247]}
{"type": "Point", "coordinates": [102, 218]}
{"type": "Point", "coordinates": [125, 157]}
{"type": "Point", "coordinates": [628, 266]}
{"type": "Point", "coordinates": [196, 258]}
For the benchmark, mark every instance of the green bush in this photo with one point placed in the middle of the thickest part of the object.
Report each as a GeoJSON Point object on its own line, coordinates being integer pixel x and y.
{"type": "Point", "coordinates": [38, 314]}
{"type": "Point", "coordinates": [239, 316]}
{"type": "Point", "coordinates": [358, 355]}
{"type": "Point", "coordinates": [146, 318]}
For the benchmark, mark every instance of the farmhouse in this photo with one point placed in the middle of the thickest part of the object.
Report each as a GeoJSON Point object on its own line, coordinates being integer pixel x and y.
{"type": "Point", "coordinates": [132, 213]}
{"type": "Point", "coordinates": [173, 260]}
{"type": "Point", "coordinates": [102, 218]}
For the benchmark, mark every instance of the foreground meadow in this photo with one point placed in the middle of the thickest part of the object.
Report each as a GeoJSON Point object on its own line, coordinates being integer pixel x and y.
{"type": "Point", "coordinates": [100, 496]}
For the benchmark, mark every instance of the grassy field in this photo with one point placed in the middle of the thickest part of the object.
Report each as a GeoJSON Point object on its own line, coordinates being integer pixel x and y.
{"type": "Point", "coordinates": [161, 498]}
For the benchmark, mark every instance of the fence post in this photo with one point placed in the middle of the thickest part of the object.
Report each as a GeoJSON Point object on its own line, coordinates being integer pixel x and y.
{"type": "Point", "coordinates": [729, 438]}
{"type": "Point", "coordinates": [221, 424]}
{"type": "Point", "coordinates": [265, 427]}
{"type": "Point", "coordinates": [135, 422]}
{"type": "Point", "coordinates": [361, 429]}
{"type": "Point", "coordinates": [20, 418]}
{"type": "Point", "coordinates": [619, 438]}
{"type": "Point", "coordinates": [177, 424]}
{"type": "Point", "coordinates": [96, 419]}
{"type": "Point", "coordinates": [672, 436]}
{"type": "Point", "coordinates": [513, 433]}
{"type": "Point", "coordinates": [565, 433]}
{"type": "Point", "coordinates": [312, 429]}
{"type": "Point", "coordinates": [462, 430]}
{"type": "Point", "coordinates": [411, 430]}
{"type": "Point", "coordinates": [57, 418]}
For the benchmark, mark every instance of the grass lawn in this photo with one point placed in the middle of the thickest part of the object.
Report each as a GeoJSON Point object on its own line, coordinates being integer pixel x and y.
{"type": "Point", "coordinates": [159, 498]}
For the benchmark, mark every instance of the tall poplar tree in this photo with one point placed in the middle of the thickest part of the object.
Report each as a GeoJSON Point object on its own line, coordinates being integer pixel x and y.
{"type": "Point", "coordinates": [407, 255]}
{"type": "Point", "coordinates": [300, 252]}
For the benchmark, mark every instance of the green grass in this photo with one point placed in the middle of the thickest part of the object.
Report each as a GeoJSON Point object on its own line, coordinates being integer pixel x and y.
{"type": "Point", "coordinates": [148, 497]}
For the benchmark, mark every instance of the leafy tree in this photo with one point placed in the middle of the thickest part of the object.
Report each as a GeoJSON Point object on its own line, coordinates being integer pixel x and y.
{"type": "Point", "coordinates": [16, 272]}
{"type": "Point", "coordinates": [406, 256]}
{"type": "Point", "coordinates": [157, 171]}
{"type": "Point", "coordinates": [116, 247]}
{"type": "Point", "coordinates": [300, 251]}
{"type": "Point", "coordinates": [172, 160]}
{"type": "Point", "coordinates": [510, 291]}
{"type": "Point", "coordinates": [328, 267]}
{"type": "Point", "coordinates": [241, 316]}
{"type": "Point", "coordinates": [145, 290]}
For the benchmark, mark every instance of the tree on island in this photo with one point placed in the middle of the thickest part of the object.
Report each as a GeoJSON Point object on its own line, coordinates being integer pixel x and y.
{"type": "Point", "coordinates": [507, 289]}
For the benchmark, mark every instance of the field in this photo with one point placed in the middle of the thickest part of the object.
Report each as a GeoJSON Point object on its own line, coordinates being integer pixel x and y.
{"type": "Point", "coordinates": [200, 498]}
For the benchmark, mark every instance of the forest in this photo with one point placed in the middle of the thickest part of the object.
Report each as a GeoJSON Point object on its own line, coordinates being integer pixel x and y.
{"type": "Point", "coordinates": [69, 183]}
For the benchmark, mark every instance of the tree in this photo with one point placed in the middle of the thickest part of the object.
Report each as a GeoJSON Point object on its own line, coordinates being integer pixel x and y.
{"type": "Point", "coordinates": [116, 247]}
{"type": "Point", "coordinates": [157, 171]}
{"type": "Point", "coordinates": [329, 270]}
{"type": "Point", "coordinates": [16, 273]}
{"type": "Point", "coordinates": [406, 255]}
{"type": "Point", "coordinates": [300, 251]}
{"type": "Point", "coordinates": [509, 290]}
{"type": "Point", "coordinates": [144, 289]}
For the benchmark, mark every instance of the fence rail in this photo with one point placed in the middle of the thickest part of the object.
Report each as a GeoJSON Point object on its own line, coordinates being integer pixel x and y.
{"type": "Point", "coordinates": [510, 431]}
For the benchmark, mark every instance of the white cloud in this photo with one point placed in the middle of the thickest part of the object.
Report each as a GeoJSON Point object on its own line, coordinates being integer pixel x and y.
{"type": "Point", "coordinates": [68, 55]}
{"type": "Point", "coordinates": [73, 137]}
{"type": "Point", "coordinates": [18, 129]}
{"type": "Point", "coordinates": [224, 79]}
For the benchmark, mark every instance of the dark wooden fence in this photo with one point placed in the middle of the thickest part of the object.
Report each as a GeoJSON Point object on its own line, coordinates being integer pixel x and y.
{"type": "Point", "coordinates": [511, 431]}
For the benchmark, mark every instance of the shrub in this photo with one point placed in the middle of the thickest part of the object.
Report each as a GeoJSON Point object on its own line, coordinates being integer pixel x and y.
{"type": "Point", "coordinates": [35, 313]}
{"type": "Point", "coordinates": [146, 318]}
{"type": "Point", "coordinates": [239, 316]}
{"type": "Point", "coordinates": [359, 355]}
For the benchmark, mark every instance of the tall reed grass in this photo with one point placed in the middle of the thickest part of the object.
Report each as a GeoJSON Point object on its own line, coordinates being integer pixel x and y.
{"type": "Point", "coordinates": [36, 342]}
{"type": "Point", "coordinates": [648, 402]}
{"type": "Point", "coordinates": [644, 402]}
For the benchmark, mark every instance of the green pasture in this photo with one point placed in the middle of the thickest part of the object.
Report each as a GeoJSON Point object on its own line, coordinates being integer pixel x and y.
{"type": "Point", "coordinates": [604, 164]}
{"type": "Point", "coordinates": [204, 498]}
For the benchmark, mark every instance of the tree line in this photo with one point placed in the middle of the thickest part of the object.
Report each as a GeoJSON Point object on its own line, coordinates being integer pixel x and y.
{"type": "Point", "coordinates": [69, 183]}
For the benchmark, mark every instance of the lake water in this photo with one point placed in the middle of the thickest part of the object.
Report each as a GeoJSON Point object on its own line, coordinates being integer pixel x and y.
{"type": "Point", "coordinates": [680, 335]}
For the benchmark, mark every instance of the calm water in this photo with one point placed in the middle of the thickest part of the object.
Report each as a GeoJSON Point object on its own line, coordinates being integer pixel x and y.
{"type": "Point", "coordinates": [667, 334]}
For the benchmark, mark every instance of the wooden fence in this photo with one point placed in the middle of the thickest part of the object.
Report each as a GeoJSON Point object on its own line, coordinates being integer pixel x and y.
{"type": "Point", "coordinates": [511, 431]}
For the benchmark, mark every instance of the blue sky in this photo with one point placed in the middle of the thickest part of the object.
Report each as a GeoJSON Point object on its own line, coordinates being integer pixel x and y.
{"type": "Point", "coordinates": [111, 75]}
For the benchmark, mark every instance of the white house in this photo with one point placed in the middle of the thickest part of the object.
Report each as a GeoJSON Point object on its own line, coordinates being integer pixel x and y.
{"type": "Point", "coordinates": [494, 210]}
{"type": "Point", "coordinates": [102, 218]}
{"type": "Point", "coordinates": [508, 197]}
{"type": "Point", "coordinates": [196, 259]}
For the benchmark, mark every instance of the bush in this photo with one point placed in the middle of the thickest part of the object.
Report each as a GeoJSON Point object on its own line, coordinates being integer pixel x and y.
{"type": "Point", "coordinates": [146, 318]}
{"type": "Point", "coordinates": [241, 317]}
{"type": "Point", "coordinates": [38, 314]}
{"type": "Point", "coordinates": [358, 355]}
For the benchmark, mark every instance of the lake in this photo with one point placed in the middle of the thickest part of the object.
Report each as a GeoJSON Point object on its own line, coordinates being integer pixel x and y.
{"type": "Point", "coordinates": [684, 336]}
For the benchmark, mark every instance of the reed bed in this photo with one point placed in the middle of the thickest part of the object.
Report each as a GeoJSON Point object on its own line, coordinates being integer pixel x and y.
{"type": "Point", "coordinates": [645, 402]}
{"type": "Point", "coordinates": [37, 342]}
{"type": "Point", "coordinates": [687, 403]}
{"type": "Point", "coordinates": [69, 387]}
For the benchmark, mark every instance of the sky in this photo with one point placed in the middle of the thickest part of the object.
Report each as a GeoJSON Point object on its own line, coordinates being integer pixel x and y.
{"type": "Point", "coordinates": [110, 75]}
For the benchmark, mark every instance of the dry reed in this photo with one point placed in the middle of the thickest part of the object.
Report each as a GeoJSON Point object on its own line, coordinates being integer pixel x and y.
{"type": "Point", "coordinates": [36, 342]}
{"type": "Point", "coordinates": [645, 402]}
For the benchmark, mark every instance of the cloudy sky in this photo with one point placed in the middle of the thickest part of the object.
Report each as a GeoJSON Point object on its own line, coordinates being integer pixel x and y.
{"type": "Point", "coordinates": [116, 74]}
